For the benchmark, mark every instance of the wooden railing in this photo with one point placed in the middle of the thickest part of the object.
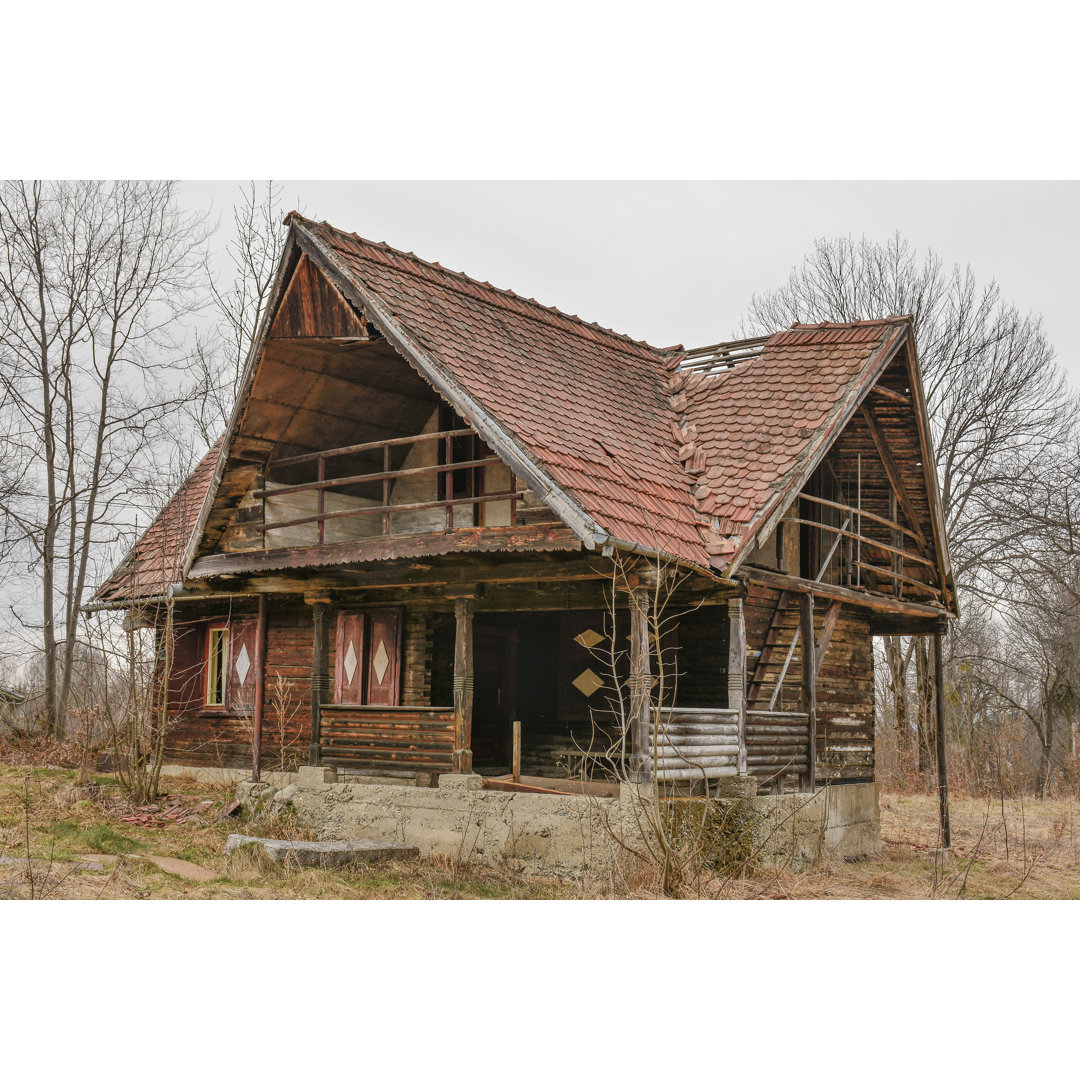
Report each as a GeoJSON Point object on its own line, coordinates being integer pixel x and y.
{"type": "Point", "coordinates": [385, 476]}
{"type": "Point", "coordinates": [381, 738]}
{"type": "Point", "coordinates": [846, 565]}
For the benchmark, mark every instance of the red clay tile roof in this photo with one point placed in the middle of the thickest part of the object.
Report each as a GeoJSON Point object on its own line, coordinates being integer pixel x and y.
{"type": "Point", "coordinates": [587, 404]}
{"type": "Point", "coordinates": [687, 462]}
{"type": "Point", "coordinates": [754, 425]}
{"type": "Point", "coordinates": [156, 560]}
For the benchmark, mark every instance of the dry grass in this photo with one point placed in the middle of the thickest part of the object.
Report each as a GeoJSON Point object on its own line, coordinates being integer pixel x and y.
{"type": "Point", "coordinates": [1028, 849]}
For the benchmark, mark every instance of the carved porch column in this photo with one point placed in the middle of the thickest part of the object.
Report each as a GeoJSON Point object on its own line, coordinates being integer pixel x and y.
{"type": "Point", "coordinates": [320, 671]}
{"type": "Point", "coordinates": [463, 682]}
{"type": "Point", "coordinates": [736, 674]}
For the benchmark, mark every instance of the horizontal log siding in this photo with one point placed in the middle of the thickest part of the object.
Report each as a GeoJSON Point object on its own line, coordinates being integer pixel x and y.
{"type": "Point", "coordinates": [695, 744]}
{"type": "Point", "coordinates": [214, 737]}
{"type": "Point", "coordinates": [845, 685]}
{"type": "Point", "coordinates": [845, 699]}
{"type": "Point", "coordinates": [388, 739]}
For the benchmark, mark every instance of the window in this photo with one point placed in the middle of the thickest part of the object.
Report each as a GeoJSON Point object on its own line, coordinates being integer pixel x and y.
{"type": "Point", "coordinates": [217, 653]}
{"type": "Point", "coordinates": [230, 665]}
{"type": "Point", "coordinates": [368, 658]}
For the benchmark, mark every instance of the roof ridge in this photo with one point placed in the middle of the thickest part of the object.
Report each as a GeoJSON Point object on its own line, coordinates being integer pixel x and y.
{"type": "Point", "coordinates": [660, 352]}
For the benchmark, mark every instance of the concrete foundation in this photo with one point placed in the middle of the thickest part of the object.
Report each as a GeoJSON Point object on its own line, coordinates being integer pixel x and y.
{"type": "Point", "coordinates": [565, 834]}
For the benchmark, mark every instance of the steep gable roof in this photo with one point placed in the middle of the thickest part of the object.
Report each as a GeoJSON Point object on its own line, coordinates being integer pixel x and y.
{"type": "Point", "coordinates": [690, 454]}
{"type": "Point", "coordinates": [760, 424]}
{"type": "Point", "coordinates": [587, 406]}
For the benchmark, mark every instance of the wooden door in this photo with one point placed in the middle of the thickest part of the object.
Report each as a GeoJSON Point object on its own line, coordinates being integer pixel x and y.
{"type": "Point", "coordinates": [241, 673]}
{"type": "Point", "coordinates": [349, 660]}
{"type": "Point", "coordinates": [384, 658]}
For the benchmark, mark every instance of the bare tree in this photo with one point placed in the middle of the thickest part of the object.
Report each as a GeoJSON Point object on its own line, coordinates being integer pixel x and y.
{"type": "Point", "coordinates": [219, 356]}
{"type": "Point", "coordinates": [1002, 414]}
{"type": "Point", "coordinates": [95, 279]}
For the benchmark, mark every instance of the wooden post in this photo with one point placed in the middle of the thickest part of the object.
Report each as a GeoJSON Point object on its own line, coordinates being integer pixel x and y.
{"type": "Point", "coordinates": [942, 767]}
{"type": "Point", "coordinates": [320, 674]}
{"type": "Point", "coordinates": [809, 684]}
{"type": "Point", "coordinates": [260, 688]}
{"type": "Point", "coordinates": [463, 684]}
{"type": "Point", "coordinates": [790, 556]}
{"type": "Point", "coordinates": [516, 766]}
{"type": "Point", "coordinates": [736, 674]}
{"type": "Point", "coordinates": [640, 687]}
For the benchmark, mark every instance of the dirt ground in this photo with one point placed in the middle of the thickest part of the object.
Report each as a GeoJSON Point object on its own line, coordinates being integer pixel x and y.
{"type": "Point", "coordinates": [81, 848]}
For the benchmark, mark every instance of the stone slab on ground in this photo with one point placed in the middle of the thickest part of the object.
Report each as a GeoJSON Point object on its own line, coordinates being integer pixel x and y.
{"type": "Point", "coordinates": [324, 853]}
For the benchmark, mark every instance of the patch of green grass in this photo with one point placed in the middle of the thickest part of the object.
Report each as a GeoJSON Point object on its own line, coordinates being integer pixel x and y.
{"type": "Point", "coordinates": [98, 838]}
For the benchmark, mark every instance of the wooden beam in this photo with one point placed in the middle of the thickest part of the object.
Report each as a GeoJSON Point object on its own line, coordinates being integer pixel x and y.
{"type": "Point", "coordinates": [640, 686]}
{"type": "Point", "coordinates": [839, 592]}
{"type": "Point", "coordinates": [504, 538]}
{"type": "Point", "coordinates": [892, 395]}
{"type": "Point", "coordinates": [463, 684]}
{"type": "Point", "coordinates": [892, 470]}
{"type": "Point", "coordinates": [809, 681]}
{"type": "Point", "coordinates": [320, 675]}
{"type": "Point", "coordinates": [260, 690]}
{"type": "Point", "coordinates": [942, 765]}
{"type": "Point", "coordinates": [825, 636]}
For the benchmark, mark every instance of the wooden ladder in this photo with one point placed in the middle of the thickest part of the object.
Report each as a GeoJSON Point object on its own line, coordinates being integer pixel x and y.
{"type": "Point", "coordinates": [772, 643]}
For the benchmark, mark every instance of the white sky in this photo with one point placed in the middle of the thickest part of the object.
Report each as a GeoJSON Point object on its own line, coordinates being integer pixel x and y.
{"type": "Point", "coordinates": [676, 262]}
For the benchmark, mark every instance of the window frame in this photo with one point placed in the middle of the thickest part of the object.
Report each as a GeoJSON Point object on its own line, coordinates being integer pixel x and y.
{"type": "Point", "coordinates": [219, 631]}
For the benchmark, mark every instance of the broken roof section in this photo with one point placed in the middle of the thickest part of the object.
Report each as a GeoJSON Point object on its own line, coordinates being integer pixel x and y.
{"type": "Point", "coordinates": [688, 454]}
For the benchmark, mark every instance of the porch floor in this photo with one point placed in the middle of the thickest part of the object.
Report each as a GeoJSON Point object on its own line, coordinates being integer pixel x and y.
{"type": "Point", "coordinates": [547, 785]}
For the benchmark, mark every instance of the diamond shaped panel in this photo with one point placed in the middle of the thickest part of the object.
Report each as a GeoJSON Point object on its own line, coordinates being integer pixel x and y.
{"type": "Point", "coordinates": [589, 639]}
{"type": "Point", "coordinates": [350, 664]}
{"type": "Point", "coordinates": [243, 665]}
{"type": "Point", "coordinates": [588, 682]}
{"type": "Point", "coordinates": [380, 662]}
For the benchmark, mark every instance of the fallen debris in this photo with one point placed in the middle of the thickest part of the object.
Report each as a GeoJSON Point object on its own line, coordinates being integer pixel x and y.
{"type": "Point", "coordinates": [180, 810]}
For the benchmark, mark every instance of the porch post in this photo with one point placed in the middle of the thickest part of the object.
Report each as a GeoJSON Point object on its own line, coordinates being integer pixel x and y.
{"type": "Point", "coordinates": [463, 683]}
{"type": "Point", "coordinates": [640, 687]}
{"type": "Point", "coordinates": [736, 673]}
{"type": "Point", "coordinates": [260, 689]}
{"type": "Point", "coordinates": [809, 684]}
{"type": "Point", "coordinates": [320, 674]}
{"type": "Point", "coordinates": [942, 768]}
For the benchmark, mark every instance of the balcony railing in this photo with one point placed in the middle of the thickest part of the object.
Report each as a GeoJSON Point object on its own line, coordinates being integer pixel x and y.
{"type": "Point", "coordinates": [429, 514]}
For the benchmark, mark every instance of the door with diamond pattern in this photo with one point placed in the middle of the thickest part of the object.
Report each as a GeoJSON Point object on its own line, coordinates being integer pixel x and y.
{"type": "Point", "coordinates": [349, 663]}
{"type": "Point", "coordinates": [240, 677]}
{"type": "Point", "coordinates": [384, 650]}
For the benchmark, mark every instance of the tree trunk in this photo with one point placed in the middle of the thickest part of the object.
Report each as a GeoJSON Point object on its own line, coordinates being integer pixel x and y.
{"type": "Point", "coordinates": [924, 697]}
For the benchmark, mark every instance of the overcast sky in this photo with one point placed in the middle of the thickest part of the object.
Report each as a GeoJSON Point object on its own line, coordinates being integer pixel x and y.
{"type": "Point", "coordinates": [677, 262]}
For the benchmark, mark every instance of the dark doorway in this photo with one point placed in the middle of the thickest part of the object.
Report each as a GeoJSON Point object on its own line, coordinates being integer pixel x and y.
{"type": "Point", "coordinates": [494, 696]}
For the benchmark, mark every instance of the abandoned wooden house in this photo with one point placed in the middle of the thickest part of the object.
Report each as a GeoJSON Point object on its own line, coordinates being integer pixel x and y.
{"type": "Point", "coordinates": [441, 508]}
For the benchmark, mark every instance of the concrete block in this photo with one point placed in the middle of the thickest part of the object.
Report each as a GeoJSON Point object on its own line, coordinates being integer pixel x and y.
{"type": "Point", "coordinates": [323, 853]}
{"type": "Point", "coordinates": [461, 781]}
{"type": "Point", "coordinates": [312, 776]}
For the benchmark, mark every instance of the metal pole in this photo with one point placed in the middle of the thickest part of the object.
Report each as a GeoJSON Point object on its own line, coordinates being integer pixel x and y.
{"type": "Point", "coordinates": [942, 768]}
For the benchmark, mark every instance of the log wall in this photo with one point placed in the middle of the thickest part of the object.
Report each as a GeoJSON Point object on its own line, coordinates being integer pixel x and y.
{"type": "Point", "coordinates": [845, 684]}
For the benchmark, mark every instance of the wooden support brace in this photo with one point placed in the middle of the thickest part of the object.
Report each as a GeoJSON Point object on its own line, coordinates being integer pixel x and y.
{"type": "Point", "coordinates": [260, 690]}
{"type": "Point", "coordinates": [640, 686]}
{"type": "Point", "coordinates": [827, 628]}
{"type": "Point", "coordinates": [463, 684]}
{"type": "Point", "coordinates": [320, 674]}
{"type": "Point", "coordinates": [809, 679]}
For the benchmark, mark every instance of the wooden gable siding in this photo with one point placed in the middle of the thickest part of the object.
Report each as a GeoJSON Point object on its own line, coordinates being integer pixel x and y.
{"type": "Point", "coordinates": [313, 308]}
